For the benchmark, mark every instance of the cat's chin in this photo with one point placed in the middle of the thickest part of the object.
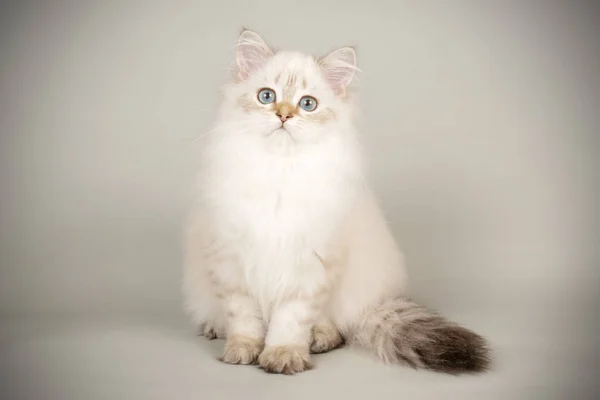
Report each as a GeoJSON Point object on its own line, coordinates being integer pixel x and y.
{"type": "Point", "coordinates": [280, 136]}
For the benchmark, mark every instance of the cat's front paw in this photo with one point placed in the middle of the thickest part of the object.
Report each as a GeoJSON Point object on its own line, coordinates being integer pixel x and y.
{"type": "Point", "coordinates": [241, 350]}
{"type": "Point", "coordinates": [286, 360]}
{"type": "Point", "coordinates": [325, 338]}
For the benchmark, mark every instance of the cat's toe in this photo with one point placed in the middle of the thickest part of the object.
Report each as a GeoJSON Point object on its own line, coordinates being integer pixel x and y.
{"type": "Point", "coordinates": [211, 331]}
{"type": "Point", "coordinates": [325, 338]}
{"type": "Point", "coordinates": [242, 350]}
{"type": "Point", "coordinates": [286, 360]}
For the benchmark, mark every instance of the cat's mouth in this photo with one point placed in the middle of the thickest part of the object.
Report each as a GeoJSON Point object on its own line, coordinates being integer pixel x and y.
{"type": "Point", "coordinates": [281, 129]}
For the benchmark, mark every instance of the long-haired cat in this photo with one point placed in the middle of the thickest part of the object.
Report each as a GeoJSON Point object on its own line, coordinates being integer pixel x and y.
{"type": "Point", "coordinates": [288, 251]}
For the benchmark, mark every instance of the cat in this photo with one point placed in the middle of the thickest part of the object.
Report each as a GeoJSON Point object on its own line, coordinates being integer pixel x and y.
{"type": "Point", "coordinates": [287, 249]}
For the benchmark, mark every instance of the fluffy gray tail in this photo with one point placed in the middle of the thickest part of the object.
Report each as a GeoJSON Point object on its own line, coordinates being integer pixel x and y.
{"type": "Point", "coordinates": [401, 331]}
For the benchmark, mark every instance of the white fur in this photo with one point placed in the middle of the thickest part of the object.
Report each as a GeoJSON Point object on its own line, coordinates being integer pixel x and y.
{"type": "Point", "coordinates": [274, 204]}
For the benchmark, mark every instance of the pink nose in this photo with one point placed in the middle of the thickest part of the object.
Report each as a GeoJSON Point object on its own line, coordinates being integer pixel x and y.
{"type": "Point", "coordinates": [283, 116]}
{"type": "Point", "coordinates": [284, 111]}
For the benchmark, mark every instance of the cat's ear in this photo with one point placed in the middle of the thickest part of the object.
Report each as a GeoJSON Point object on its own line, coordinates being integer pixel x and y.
{"type": "Point", "coordinates": [338, 68]}
{"type": "Point", "coordinates": [252, 52]}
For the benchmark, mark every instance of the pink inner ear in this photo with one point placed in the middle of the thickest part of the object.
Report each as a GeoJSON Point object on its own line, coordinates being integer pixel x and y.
{"type": "Point", "coordinates": [339, 68]}
{"type": "Point", "coordinates": [252, 53]}
{"type": "Point", "coordinates": [339, 77]}
{"type": "Point", "coordinates": [249, 60]}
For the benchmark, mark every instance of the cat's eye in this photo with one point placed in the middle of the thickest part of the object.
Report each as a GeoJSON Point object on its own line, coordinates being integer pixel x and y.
{"type": "Point", "coordinates": [266, 96]}
{"type": "Point", "coordinates": [308, 103]}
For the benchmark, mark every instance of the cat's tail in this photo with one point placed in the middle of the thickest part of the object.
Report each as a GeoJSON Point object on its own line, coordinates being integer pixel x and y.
{"type": "Point", "coordinates": [403, 332]}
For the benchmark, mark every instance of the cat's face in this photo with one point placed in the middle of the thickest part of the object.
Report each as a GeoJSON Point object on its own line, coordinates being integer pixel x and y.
{"type": "Point", "coordinates": [288, 97]}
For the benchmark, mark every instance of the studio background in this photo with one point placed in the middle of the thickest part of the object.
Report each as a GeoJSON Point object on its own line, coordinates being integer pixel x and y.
{"type": "Point", "coordinates": [481, 121]}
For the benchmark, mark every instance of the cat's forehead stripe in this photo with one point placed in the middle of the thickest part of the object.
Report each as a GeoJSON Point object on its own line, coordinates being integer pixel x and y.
{"type": "Point", "coordinates": [288, 84]}
{"type": "Point", "coordinates": [290, 79]}
{"type": "Point", "coordinates": [288, 93]}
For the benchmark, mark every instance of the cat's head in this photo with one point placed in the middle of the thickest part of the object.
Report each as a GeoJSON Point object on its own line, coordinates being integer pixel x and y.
{"type": "Point", "coordinates": [288, 96]}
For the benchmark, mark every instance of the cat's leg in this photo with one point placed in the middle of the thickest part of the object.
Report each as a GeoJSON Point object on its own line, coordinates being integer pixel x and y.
{"type": "Point", "coordinates": [245, 329]}
{"type": "Point", "coordinates": [288, 339]}
{"type": "Point", "coordinates": [215, 296]}
{"type": "Point", "coordinates": [299, 321]}
{"type": "Point", "coordinates": [325, 336]}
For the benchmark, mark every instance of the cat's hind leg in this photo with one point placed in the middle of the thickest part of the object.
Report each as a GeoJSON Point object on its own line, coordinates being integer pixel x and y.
{"type": "Point", "coordinates": [325, 337]}
{"type": "Point", "coordinates": [213, 329]}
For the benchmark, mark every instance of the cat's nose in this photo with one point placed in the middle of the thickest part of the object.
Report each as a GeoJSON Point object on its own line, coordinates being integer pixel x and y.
{"type": "Point", "coordinates": [284, 116]}
{"type": "Point", "coordinates": [284, 111]}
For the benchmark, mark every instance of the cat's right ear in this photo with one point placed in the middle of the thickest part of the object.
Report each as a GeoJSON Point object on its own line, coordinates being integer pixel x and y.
{"type": "Point", "coordinates": [252, 52]}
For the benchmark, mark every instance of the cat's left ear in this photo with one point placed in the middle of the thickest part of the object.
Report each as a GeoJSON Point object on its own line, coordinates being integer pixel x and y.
{"type": "Point", "coordinates": [251, 54]}
{"type": "Point", "coordinates": [338, 68]}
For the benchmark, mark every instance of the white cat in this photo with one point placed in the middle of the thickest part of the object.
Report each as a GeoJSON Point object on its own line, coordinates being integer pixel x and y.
{"type": "Point", "coordinates": [288, 251]}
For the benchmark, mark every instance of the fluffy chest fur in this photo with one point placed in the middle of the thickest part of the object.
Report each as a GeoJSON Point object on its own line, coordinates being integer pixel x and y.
{"type": "Point", "coordinates": [278, 210]}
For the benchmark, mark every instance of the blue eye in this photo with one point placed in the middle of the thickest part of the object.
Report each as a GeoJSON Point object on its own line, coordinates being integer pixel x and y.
{"type": "Point", "coordinates": [266, 96]}
{"type": "Point", "coordinates": [308, 103]}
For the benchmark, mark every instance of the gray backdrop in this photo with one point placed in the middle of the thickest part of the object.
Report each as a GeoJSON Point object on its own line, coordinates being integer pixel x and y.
{"type": "Point", "coordinates": [481, 121]}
